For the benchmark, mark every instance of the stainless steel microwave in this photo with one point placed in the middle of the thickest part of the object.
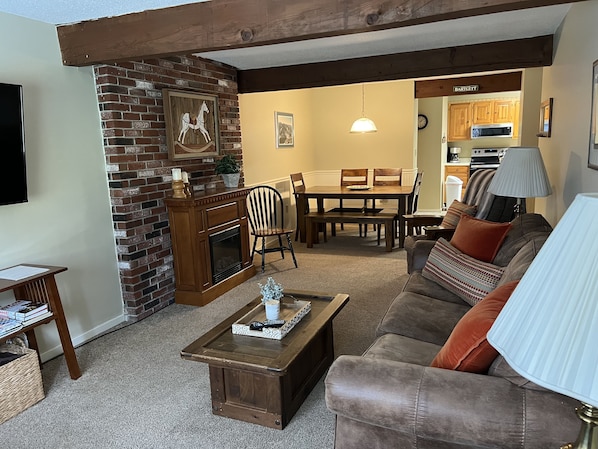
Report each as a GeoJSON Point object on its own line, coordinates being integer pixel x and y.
{"type": "Point", "coordinates": [497, 130]}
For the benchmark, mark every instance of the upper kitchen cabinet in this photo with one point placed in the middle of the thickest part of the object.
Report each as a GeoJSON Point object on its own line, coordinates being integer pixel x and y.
{"type": "Point", "coordinates": [459, 121]}
{"type": "Point", "coordinates": [483, 112]}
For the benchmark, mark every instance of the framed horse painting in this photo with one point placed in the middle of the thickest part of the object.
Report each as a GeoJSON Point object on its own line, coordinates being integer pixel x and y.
{"type": "Point", "coordinates": [191, 124]}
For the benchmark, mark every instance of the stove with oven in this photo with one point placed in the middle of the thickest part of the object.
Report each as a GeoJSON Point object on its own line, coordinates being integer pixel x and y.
{"type": "Point", "coordinates": [482, 158]}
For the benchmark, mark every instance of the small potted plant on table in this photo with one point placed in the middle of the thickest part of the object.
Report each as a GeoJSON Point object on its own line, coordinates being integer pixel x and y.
{"type": "Point", "coordinates": [230, 170]}
{"type": "Point", "coordinates": [271, 295]}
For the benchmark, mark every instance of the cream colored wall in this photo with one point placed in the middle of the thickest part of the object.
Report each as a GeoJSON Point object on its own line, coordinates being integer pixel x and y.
{"type": "Point", "coordinates": [262, 161]}
{"type": "Point", "coordinates": [388, 104]}
{"type": "Point", "coordinates": [323, 117]}
{"type": "Point", "coordinates": [430, 159]}
{"type": "Point", "coordinates": [67, 220]}
{"type": "Point", "coordinates": [569, 82]}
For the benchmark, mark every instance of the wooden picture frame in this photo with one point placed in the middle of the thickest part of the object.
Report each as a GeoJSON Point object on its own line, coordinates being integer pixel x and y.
{"type": "Point", "coordinates": [192, 130]}
{"type": "Point", "coordinates": [593, 144]}
{"type": "Point", "coordinates": [545, 129]}
{"type": "Point", "coordinates": [285, 130]}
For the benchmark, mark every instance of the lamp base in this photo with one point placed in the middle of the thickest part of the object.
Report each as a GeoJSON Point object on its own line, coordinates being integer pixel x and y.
{"type": "Point", "coordinates": [588, 434]}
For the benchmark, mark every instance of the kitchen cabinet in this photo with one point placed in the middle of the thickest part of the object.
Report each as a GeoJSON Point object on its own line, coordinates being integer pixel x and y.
{"type": "Point", "coordinates": [459, 119]}
{"type": "Point", "coordinates": [482, 112]}
{"type": "Point", "coordinates": [485, 112]}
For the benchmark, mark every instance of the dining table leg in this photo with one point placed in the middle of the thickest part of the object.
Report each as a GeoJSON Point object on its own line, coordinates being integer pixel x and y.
{"type": "Point", "coordinates": [301, 217]}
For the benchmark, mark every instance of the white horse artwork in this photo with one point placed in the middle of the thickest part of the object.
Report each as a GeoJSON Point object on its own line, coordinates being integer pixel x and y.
{"type": "Point", "coordinates": [191, 122]}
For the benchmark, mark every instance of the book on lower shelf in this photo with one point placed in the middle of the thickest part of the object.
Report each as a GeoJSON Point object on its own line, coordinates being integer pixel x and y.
{"type": "Point", "coordinates": [23, 310]}
{"type": "Point", "coordinates": [36, 318]}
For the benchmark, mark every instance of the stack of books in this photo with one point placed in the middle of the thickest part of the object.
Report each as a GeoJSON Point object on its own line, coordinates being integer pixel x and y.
{"type": "Point", "coordinates": [21, 313]}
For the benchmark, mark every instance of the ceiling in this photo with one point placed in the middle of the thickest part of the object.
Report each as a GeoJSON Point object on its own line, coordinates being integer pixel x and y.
{"type": "Point", "coordinates": [479, 29]}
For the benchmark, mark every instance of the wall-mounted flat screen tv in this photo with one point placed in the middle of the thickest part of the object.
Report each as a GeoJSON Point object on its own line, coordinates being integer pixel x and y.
{"type": "Point", "coordinates": [13, 176]}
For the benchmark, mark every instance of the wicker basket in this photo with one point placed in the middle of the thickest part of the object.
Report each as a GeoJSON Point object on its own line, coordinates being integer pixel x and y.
{"type": "Point", "coordinates": [20, 382]}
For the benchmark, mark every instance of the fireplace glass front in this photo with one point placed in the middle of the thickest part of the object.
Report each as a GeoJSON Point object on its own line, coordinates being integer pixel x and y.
{"type": "Point", "coordinates": [225, 252]}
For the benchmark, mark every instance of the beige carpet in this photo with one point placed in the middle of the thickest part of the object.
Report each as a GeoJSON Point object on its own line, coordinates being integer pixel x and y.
{"type": "Point", "coordinates": [136, 391]}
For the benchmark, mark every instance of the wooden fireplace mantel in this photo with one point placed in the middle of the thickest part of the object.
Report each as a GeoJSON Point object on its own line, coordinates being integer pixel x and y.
{"type": "Point", "coordinates": [192, 221]}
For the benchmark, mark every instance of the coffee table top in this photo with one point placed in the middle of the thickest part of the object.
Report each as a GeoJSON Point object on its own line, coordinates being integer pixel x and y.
{"type": "Point", "coordinates": [220, 347]}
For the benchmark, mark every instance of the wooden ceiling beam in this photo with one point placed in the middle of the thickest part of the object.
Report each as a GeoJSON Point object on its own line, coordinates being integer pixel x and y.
{"type": "Point", "coordinates": [504, 55]}
{"type": "Point", "coordinates": [226, 24]}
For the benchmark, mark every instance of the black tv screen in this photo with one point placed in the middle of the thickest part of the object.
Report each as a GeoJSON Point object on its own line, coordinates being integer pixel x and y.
{"type": "Point", "coordinates": [13, 178]}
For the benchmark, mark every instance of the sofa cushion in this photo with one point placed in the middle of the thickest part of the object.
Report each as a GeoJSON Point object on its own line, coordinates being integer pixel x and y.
{"type": "Point", "coordinates": [523, 229]}
{"type": "Point", "coordinates": [454, 212]}
{"type": "Point", "coordinates": [399, 348]}
{"type": "Point", "coordinates": [421, 317]}
{"type": "Point", "coordinates": [468, 278]}
{"type": "Point", "coordinates": [522, 260]}
{"type": "Point", "coordinates": [478, 238]}
{"type": "Point", "coordinates": [467, 348]}
{"type": "Point", "coordinates": [416, 283]}
{"type": "Point", "coordinates": [500, 368]}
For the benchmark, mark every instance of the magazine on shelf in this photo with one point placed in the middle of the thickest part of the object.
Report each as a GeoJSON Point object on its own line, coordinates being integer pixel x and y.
{"type": "Point", "coordinates": [9, 310]}
{"type": "Point", "coordinates": [23, 310]}
{"type": "Point", "coordinates": [8, 326]}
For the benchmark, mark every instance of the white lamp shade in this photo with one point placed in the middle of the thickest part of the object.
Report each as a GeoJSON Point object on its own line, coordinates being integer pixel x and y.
{"type": "Point", "coordinates": [363, 125]}
{"type": "Point", "coordinates": [521, 174]}
{"type": "Point", "coordinates": [548, 329]}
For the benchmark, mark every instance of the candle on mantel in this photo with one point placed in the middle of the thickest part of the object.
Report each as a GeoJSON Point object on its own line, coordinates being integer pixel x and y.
{"type": "Point", "coordinates": [176, 174]}
{"type": "Point", "coordinates": [185, 177]}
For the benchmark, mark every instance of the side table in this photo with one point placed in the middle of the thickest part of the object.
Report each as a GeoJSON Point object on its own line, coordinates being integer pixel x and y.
{"type": "Point", "coordinates": [42, 288]}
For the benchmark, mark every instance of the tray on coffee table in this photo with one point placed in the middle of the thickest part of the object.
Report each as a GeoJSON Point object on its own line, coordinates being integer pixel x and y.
{"type": "Point", "coordinates": [291, 312]}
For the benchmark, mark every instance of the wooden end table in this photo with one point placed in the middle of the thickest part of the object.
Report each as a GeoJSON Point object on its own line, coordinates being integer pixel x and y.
{"type": "Point", "coordinates": [264, 381]}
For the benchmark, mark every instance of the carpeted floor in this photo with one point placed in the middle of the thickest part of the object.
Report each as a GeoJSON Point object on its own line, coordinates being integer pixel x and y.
{"type": "Point", "coordinates": [136, 391]}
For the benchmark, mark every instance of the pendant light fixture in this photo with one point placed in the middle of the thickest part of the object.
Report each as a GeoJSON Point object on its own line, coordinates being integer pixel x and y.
{"type": "Point", "coordinates": [363, 124]}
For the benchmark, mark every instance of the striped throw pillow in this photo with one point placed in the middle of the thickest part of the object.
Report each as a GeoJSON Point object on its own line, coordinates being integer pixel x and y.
{"type": "Point", "coordinates": [454, 212]}
{"type": "Point", "coordinates": [466, 277]}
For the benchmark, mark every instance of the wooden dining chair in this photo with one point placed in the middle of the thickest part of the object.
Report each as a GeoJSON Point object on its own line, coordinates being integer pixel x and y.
{"type": "Point", "coordinates": [298, 185]}
{"type": "Point", "coordinates": [266, 218]}
{"type": "Point", "coordinates": [386, 177]}
{"type": "Point", "coordinates": [353, 177]}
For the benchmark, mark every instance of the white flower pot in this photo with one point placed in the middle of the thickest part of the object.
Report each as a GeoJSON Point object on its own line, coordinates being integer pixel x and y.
{"type": "Point", "coordinates": [272, 309]}
{"type": "Point", "coordinates": [231, 179]}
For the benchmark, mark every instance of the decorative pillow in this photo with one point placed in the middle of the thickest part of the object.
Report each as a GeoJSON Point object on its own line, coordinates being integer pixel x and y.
{"type": "Point", "coordinates": [454, 212]}
{"type": "Point", "coordinates": [467, 348]}
{"type": "Point", "coordinates": [478, 238]}
{"type": "Point", "coordinates": [466, 277]}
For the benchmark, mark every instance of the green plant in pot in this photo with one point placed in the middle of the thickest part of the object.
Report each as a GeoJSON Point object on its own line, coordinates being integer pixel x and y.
{"type": "Point", "coordinates": [229, 168]}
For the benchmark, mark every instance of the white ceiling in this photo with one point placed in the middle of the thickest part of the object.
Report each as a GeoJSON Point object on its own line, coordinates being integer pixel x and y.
{"type": "Point", "coordinates": [487, 28]}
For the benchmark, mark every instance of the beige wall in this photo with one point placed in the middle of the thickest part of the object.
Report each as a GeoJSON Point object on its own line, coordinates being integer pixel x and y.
{"type": "Point", "coordinates": [569, 82]}
{"type": "Point", "coordinates": [323, 117]}
{"type": "Point", "coordinates": [67, 219]}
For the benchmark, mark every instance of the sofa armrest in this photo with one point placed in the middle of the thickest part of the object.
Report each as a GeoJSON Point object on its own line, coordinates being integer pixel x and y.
{"type": "Point", "coordinates": [421, 251]}
{"type": "Point", "coordinates": [465, 409]}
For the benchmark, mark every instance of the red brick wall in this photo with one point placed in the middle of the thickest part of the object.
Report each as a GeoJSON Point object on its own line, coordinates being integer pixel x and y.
{"type": "Point", "coordinates": [138, 168]}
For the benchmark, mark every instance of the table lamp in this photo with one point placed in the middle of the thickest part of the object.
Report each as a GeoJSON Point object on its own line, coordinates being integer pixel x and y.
{"type": "Point", "coordinates": [521, 174]}
{"type": "Point", "coordinates": [548, 329]}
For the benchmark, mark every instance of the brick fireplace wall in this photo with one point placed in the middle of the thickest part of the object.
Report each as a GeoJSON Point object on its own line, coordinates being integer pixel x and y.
{"type": "Point", "coordinates": [138, 168]}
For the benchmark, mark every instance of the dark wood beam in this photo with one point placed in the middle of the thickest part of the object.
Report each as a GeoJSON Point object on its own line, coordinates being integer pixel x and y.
{"type": "Point", "coordinates": [504, 55]}
{"type": "Point", "coordinates": [227, 24]}
{"type": "Point", "coordinates": [500, 82]}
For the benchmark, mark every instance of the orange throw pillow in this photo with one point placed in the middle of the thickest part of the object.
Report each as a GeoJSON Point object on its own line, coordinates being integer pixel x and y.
{"type": "Point", "coordinates": [478, 238]}
{"type": "Point", "coordinates": [467, 348]}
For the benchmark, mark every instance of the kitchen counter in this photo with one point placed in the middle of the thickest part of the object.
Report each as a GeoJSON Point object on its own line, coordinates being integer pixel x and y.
{"type": "Point", "coordinates": [462, 161]}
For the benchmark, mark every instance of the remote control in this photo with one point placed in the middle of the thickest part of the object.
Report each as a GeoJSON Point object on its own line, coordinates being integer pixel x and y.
{"type": "Point", "coordinates": [274, 323]}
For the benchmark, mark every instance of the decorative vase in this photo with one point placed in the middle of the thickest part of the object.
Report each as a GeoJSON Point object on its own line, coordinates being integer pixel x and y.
{"type": "Point", "coordinates": [231, 179]}
{"type": "Point", "coordinates": [272, 309]}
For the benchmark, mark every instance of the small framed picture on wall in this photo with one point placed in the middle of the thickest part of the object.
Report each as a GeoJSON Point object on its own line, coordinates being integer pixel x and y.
{"type": "Point", "coordinates": [285, 130]}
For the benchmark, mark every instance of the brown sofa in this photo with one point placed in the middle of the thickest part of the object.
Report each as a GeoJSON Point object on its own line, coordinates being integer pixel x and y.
{"type": "Point", "coordinates": [390, 397]}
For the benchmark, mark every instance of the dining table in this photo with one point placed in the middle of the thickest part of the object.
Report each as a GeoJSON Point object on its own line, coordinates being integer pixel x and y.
{"type": "Point", "coordinates": [321, 193]}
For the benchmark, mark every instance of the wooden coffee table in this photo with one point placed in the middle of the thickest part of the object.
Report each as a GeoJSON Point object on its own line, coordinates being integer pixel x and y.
{"type": "Point", "coordinates": [265, 381]}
